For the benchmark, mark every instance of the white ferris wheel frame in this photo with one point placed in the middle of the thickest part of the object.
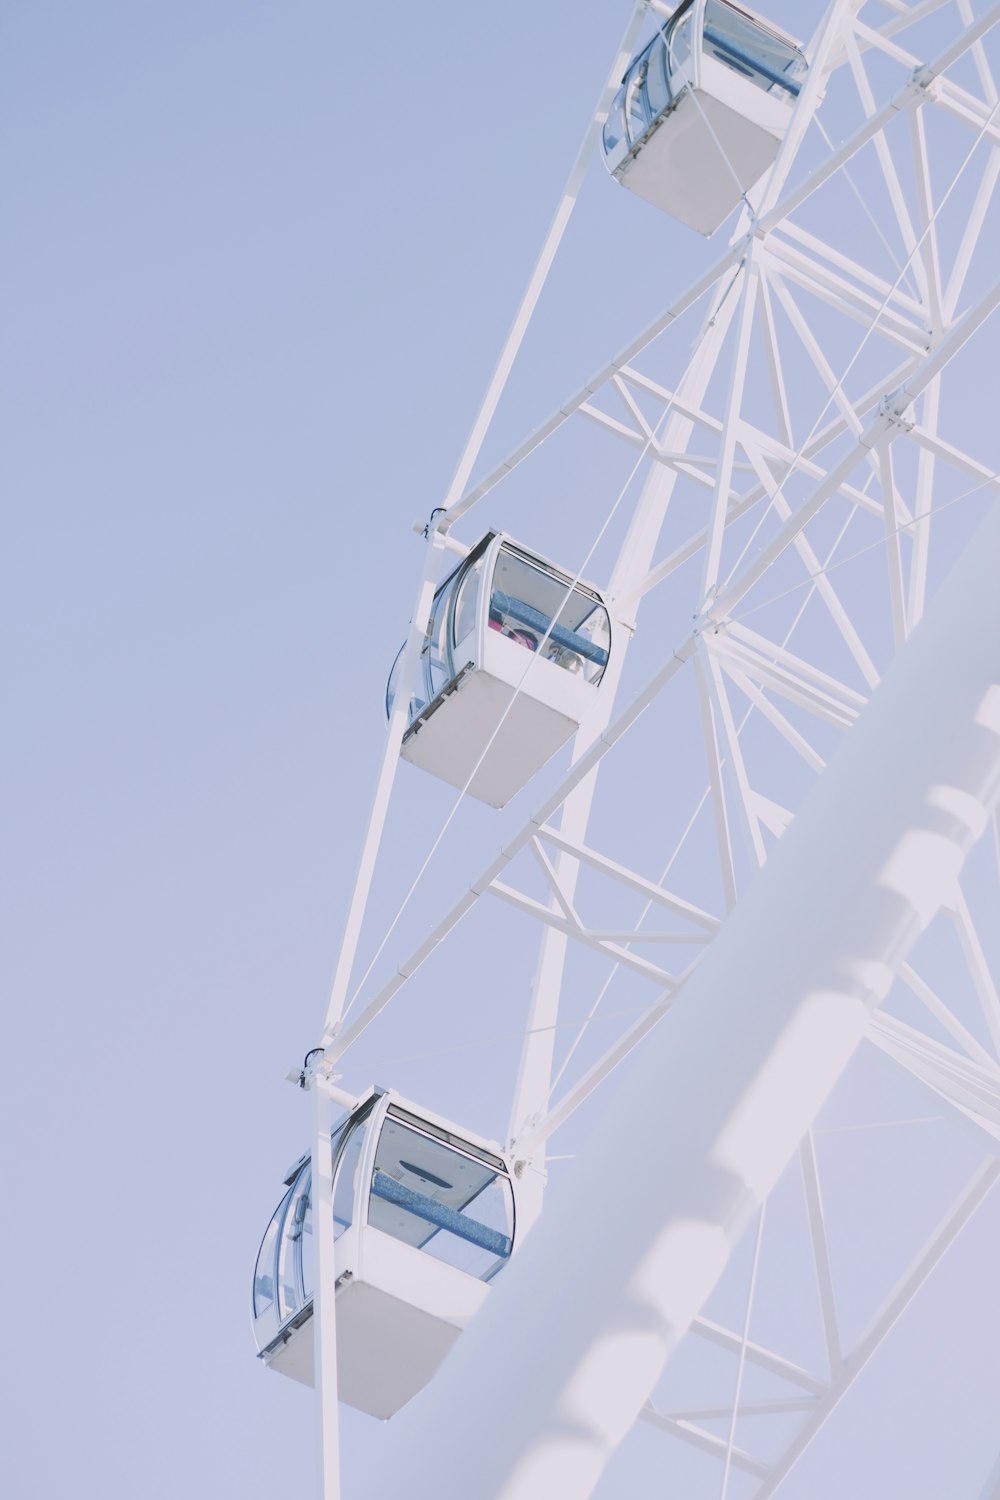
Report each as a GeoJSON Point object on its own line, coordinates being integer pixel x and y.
{"type": "Point", "coordinates": [768, 260]}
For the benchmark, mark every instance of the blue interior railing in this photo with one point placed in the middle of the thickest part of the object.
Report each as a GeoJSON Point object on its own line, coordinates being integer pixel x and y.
{"type": "Point", "coordinates": [440, 1215]}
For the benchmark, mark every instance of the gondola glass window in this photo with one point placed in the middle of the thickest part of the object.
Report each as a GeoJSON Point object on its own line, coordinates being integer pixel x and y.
{"type": "Point", "coordinates": [531, 606]}
{"type": "Point", "coordinates": [702, 111]}
{"type": "Point", "coordinates": [456, 1207]}
{"type": "Point", "coordinates": [481, 714]}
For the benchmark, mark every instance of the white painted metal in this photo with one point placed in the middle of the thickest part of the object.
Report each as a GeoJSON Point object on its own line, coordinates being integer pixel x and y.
{"type": "Point", "coordinates": [453, 505]}
{"type": "Point", "coordinates": [324, 1362]}
{"type": "Point", "coordinates": [755, 1044]}
{"type": "Point", "coordinates": [878, 458]}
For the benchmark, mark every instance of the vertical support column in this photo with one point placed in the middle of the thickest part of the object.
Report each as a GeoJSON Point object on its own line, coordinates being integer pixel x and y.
{"type": "Point", "coordinates": [577, 1331]}
{"type": "Point", "coordinates": [324, 1297]}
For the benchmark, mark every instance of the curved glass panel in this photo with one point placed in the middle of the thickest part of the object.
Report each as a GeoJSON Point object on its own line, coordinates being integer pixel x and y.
{"type": "Point", "coordinates": [466, 603]}
{"type": "Point", "coordinates": [434, 670]}
{"type": "Point", "coordinates": [646, 93]}
{"type": "Point", "coordinates": [435, 658]}
{"type": "Point", "coordinates": [614, 125]}
{"type": "Point", "coordinates": [657, 85]}
{"type": "Point", "coordinates": [264, 1277]}
{"type": "Point", "coordinates": [457, 1207]}
{"type": "Point", "coordinates": [452, 616]}
{"type": "Point", "coordinates": [291, 1295]}
{"type": "Point", "coordinates": [345, 1184]}
{"type": "Point", "coordinates": [284, 1275]}
{"type": "Point", "coordinates": [392, 685]}
{"type": "Point", "coordinates": [541, 610]}
{"type": "Point", "coordinates": [678, 38]}
{"type": "Point", "coordinates": [636, 114]}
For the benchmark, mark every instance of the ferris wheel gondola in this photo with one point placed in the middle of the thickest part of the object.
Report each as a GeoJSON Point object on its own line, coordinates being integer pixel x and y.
{"type": "Point", "coordinates": [702, 111]}
{"type": "Point", "coordinates": [484, 714]}
{"type": "Point", "coordinates": [423, 1220]}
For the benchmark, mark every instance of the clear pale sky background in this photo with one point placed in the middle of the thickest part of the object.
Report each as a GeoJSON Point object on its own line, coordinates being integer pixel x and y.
{"type": "Point", "coordinates": [258, 261]}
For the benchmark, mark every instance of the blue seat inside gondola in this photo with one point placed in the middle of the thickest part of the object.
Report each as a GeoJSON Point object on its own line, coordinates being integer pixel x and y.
{"type": "Point", "coordinates": [527, 614]}
{"type": "Point", "coordinates": [440, 1216]}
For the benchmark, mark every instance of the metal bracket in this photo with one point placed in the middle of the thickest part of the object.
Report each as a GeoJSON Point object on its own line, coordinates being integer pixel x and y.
{"type": "Point", "coordinates": [923, 84]}
{"type": "Point", "coordinates": [893, 408]}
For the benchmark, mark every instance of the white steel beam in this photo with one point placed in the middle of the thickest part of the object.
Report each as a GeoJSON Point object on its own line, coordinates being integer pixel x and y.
{"type": "Point", "coordinates": [713, 760]}
{"type": "Point", "coordinates": [819, 251]}
{"type": "Point", "coordinates": [603, 945]}
{"type": "Point", "coordinates": [815, 689]}
{"type": "Point", "coordinates": [929, 253]}
{"type": "Point", "coordinates": [884, 426]}
{"type": "Point", "coordinates": [891, 508]}
{"type": "Point", "coordinates": [383, 791]}
{"type": "Point", "coordinates": [803, 458]}
{"type": "Point", "coordinates": [735, 765]}
{"type": "Point", "coordinates": [894, 190]}
{"type": "Point", "coordinates": [970, 1087]}
{"type": "Point", "coordinates": [836, 291]}
{"type": "Point", "coordinates": [324, 1296]}
{"type": "Point", "coordinates": [757, 1354]}
{"type": "Point", "coordinates": [747, 1409]}
{"type": "Point", "coordinates": [629, 878]}
{"type": "Point", "coordinates": [773, 715]}
{"type": "Point", "coordinates": [963, 258]}
{"type": "Point", "coordinates": [543, 265]}
{"type": "Point", "coordinates": [727, 447]}
{"type": "Point", "coordinates": [920, 532]}
{"type": "Point", "coordinates": [699, 1437]}
{"type": "Point", "coordinates": [923, 434]}
{"type": "Point", "coordinates": [919, 987]}
{"type": "Point", "coordinates": [820, 1251]}
{"type": "Point", "coordinates": [823, 587]}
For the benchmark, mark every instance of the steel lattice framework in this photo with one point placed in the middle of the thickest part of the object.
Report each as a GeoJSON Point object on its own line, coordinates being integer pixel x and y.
{"type": "Point", "coordinates": [804, 477]}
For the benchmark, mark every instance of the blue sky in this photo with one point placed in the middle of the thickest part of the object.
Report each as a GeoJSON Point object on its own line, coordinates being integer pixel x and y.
{"type": "Point", "coordinates": [259, 261]}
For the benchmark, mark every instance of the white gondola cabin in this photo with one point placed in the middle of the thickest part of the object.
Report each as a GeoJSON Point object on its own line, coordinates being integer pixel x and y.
{"type": "Point", "coordinates": [702, 111]}
{"type": "Point", "coordinates": [513, 659]}
{"type": "Point", "coordinates": [423, 1220]}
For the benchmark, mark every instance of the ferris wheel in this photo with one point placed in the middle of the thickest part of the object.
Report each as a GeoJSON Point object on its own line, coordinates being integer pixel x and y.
{"type": "Point", "coordinates": [781, 470]}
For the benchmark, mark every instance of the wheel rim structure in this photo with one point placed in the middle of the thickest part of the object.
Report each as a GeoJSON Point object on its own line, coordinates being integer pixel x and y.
{"type": "Point", "coordinates": [790, 489]}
